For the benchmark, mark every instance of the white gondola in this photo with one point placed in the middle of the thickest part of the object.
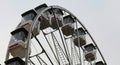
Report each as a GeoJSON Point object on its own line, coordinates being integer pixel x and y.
{"type": "Point", "coordinates": [18, 42]}
{"type": "Point", "coordinates": [56, 19]}
{"type": "Point", "coordinates": [79, 38]}
{"type": "Point", "coordinates": [90, 52]}
{"type": "Point", "coordinates": [68, 28]}
{"type": "Point", "coordinates": [15, 61]}
{"type": "Point", "coordinates": [27, 21]}
{"type": "Point", "coordinates": [99, 63]}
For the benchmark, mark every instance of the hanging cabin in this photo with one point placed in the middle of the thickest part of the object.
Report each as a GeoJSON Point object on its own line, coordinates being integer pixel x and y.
{"type": "Point", "coordinates": [28, 20]}
{"type": "Point", "coordinates": [15, 61]}
{"type": "Point", "coordinates": [56, 18]}
{"type": "Point", "coordinates": [79, 38]}
{"type": "Point", "coordinates": [68, 28]}
{"type": "Point", "coordinates": [44, 19]}
{"type": "Point", "coordinates": [18, 42]}
{"type": "Point", "coordinates": [90, 52]}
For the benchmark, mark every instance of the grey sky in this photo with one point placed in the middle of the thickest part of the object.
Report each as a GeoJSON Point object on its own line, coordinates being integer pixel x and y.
{"type": "Point", "coordinates": [101, 18]}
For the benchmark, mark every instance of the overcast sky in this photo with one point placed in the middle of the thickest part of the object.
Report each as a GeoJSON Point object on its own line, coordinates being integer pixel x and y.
{"type": "Point", "coordinates": [101, 18]}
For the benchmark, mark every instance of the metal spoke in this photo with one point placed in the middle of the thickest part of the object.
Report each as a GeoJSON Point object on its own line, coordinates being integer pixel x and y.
{"type": "Point", "coordinates": [43, 49]}
{"type": "Point", "coordinates": [58, 47]}
{"type": "Point", "coordinates": [51, 48]}
{"type": "Point", "coordinates": [31, 61]}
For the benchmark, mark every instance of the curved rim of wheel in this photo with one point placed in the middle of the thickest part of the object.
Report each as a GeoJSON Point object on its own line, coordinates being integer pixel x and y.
{"type": "Point", "coordinates": [65, 50]}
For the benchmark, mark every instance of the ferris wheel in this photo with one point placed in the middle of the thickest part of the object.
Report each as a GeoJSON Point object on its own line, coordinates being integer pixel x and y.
{"type": "Point", "coordinates": [52, 35]}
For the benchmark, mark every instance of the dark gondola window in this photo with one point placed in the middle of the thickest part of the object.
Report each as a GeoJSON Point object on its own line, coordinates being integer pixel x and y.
{"type": "Point", "coordinates": [11, 40]}
{"type": "Point", "coordinates": [40, 8]}
{"type": "Point", "coordinates": [20, 34]}
{"type": "Point", "coordinates": [29, 15]}
{"type": "Point", "coordinates": [89, 47]}
{"type": "Point", "coordinates": [68, 19]}
{"type": "Point", "coordinates": [80, 31]}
